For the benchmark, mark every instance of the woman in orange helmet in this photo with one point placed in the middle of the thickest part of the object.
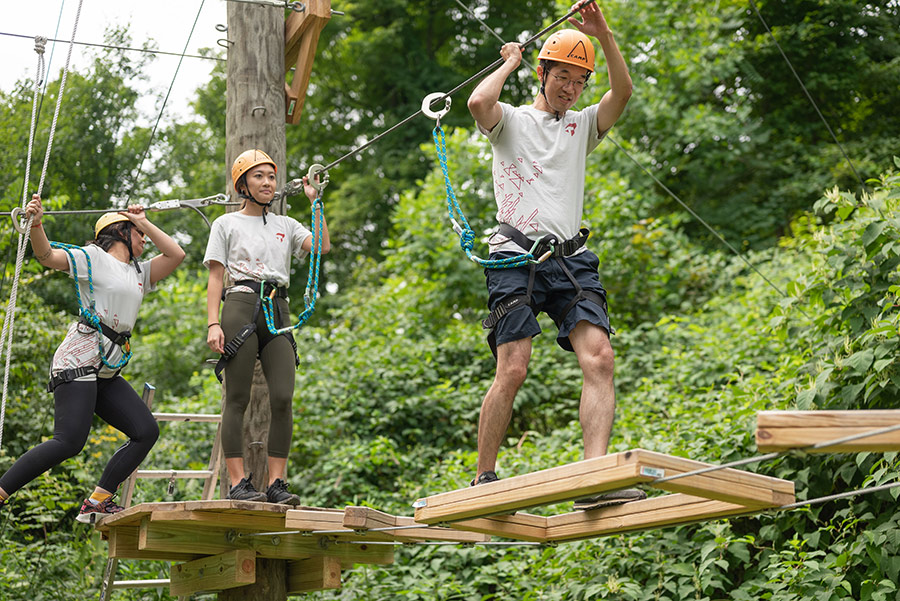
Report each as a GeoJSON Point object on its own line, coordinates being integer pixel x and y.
{"type": "Point", "coordinates": [84, 374]}
{"type": "Point", "coordinates": [539, 158]}
{"type": "Point", "coordinates": [254, 248]}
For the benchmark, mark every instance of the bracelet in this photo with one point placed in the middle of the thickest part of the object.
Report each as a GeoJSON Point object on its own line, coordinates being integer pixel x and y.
{"type": "Point", "coordinates": [213, 324]}
{"type": "Point", "coordinates": [34, 225]}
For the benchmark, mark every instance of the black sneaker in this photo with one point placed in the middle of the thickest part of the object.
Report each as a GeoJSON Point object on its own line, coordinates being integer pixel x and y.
{"type": "Point", "coordinates": [484, 478]}
{"type": "Point", "coordinates": [244, 491]}
{"type": "Point", "coordinates": [608, 499]}
{"type": "Point", "coordinates": [91, 512]}
{"type": "Point", "coordinates": [278, 493]}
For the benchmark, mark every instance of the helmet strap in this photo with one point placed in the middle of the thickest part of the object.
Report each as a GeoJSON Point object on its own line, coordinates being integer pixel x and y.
{"type": "Point", "coordinates": [265, 205]}
{"type": "Point", "coordinates": [544, 94]}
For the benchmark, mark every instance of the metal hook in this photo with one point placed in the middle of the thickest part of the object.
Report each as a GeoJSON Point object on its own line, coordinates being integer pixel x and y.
{"type": "Point", "coordinates": [314, 171]}
{"type": "Point", "coordinates": [222, 28]}
{"type": "Point", "coordinates": [19, 227]}
{"type": "Point", "coordinates": [225, 45]}
{"type": "Point", "coordinates": [257, 108]}
{"type": "Point", "coordinates": [436, 115]}
{"type": "Point", "coordinates": [297, 7]}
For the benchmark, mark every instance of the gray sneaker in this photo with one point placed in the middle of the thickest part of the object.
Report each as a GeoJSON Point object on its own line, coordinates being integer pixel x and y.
{"type": "Point", "coordinates": [484, 478]}
{"type": "Point", "coordinates": [278, 493]}
{"type": "Point", "coordinates": [244, 491]}
{"type": "Point", "coordinates": [608, 499]}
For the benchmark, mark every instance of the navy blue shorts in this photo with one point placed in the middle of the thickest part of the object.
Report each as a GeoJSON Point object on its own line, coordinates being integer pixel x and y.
{"type": "Point", "coordinates": [551, 293]}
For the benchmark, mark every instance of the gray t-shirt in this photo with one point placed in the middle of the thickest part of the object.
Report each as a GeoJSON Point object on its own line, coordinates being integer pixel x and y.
{"type": "Point", "coordinates": [118, 292]}
{"type": "Point", "coordinates": [538, 169]}
{"type": "Point", "coordinates": [250, 250]}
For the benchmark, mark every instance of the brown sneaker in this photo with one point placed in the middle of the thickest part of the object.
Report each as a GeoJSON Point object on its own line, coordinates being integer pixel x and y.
{"type": "Point", "coordinates": [91, 512]}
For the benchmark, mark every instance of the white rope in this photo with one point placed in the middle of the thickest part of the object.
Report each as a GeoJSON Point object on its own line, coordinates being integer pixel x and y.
{"type": "Point", "coordinates": [40, 44]}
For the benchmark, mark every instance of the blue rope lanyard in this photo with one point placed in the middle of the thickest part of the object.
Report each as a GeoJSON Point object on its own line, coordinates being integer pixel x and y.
{"type": "Point", "coordinates": [90, 313]}
{"type": "Point", "coordinates": [466, 235]}
{"type": "Point", "coordinates": [312, 280]}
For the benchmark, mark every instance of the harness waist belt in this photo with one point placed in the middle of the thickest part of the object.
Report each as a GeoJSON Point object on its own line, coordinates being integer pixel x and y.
{"type": "Point", "coordinates": [69, 375]}
{"type": "Point", "coordinates": [539, 248]}
{"type": "Point", "coordinates": [270, 286]}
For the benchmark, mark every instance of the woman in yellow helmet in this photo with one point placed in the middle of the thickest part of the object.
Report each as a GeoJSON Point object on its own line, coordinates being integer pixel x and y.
{"type": "Point", "coordinates": [540, 153]}
{"type": "Point", "coordinates": [84, 374]}
{"type": "Point", "coordinates": [254, 248]}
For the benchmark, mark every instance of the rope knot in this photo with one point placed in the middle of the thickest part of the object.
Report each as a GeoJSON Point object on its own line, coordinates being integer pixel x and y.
{"type": "Point", "coordinates": [467, 239]}
{"type": "Point", "coordinates": [40, 43]}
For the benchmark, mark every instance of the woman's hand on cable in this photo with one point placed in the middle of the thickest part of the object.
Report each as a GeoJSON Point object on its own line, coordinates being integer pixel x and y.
{"type": "Point", "coordinates": [136, 215]}
{"type": "Point", "coordinates": [215, 338]}
{"type": "Point", "coordinates": [36, 209]}
{"type": "Point", "coordinates": [309, 190]}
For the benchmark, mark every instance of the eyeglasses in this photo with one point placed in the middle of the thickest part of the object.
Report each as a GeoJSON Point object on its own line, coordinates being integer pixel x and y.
{"type": "Point", "coordinates": [565, 81]}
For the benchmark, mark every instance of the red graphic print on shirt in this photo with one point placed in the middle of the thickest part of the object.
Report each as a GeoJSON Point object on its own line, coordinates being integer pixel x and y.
{"type": "Point", "coordinates": [571, 128]}
{"type": "Point", "coordinates": [280, 236]}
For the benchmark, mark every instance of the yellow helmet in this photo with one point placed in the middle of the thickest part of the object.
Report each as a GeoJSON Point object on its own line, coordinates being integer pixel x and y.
{"type": "Point", "coordinates": [569, 46]}
{"type": "Point", "coordinates": [107, 219]}
{"type": "Point", "coordinates": [246, 161]}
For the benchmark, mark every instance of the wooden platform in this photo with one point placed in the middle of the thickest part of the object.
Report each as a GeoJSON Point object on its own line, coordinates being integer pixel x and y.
{"type": "Point", "coordinates": [486, 508]}
{"type": "Point", "coordinates": [214, 544]}
{"type": "Point", "coordinates": [783, 430]}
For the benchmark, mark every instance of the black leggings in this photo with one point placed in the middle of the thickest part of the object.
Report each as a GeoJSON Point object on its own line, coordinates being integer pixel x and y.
{"type": "Point", "coordinates": [116, 403]}
{"type": "Point", "coordinates": [277, 359]}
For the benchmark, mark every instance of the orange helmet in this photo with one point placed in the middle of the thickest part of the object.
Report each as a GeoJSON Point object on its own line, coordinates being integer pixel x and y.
{"type": "Point", "coordinates": [569, 46]}
{"type": "Point", "coordinates": [246, 161]}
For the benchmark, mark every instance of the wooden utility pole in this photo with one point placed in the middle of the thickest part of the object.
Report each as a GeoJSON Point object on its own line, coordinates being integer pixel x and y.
{"type": "Point", "coordinates": [255, 119]}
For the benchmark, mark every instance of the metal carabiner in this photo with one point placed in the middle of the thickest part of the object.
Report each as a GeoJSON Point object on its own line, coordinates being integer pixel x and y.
{"type": "Point", "coordinates": [436, 115]}
{"type": "Point", "coordinates": [314, 171]}
{"type": "Point", "coordinates": [19, 227]}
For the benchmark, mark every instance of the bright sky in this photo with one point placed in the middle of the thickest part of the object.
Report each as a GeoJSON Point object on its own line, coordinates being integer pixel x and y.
{"type": "Point", "coordinates": [167, 22]}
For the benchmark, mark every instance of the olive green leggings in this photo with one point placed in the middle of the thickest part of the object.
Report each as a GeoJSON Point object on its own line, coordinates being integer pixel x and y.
{"type": "Point", "coordinates": [277, 359]}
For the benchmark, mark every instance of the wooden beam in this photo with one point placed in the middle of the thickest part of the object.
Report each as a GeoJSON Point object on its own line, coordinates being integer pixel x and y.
{"type": "Point", "coordinates": [784, 430]}
{"type": "Point", "coordinates": [519, 526]}
{"type": "Point", "coordinates": [215, 573]}
{"type": "Point", "coordinates": [531, 490]}
{"type": "Point", "coordinates": [729, 485]}
{"type": "Point", "coordinates": [301, 37]}
{"type": "Point", "coordinates": [123, 544]}
{"type": "Point", "coordinates": [313, 574]}
{"type": "Point", "coordinates": [366, 518]}
{"type": "Point", "coordinates": [656, 512]}
{"type": "Point", "coordinates": [212, 540]}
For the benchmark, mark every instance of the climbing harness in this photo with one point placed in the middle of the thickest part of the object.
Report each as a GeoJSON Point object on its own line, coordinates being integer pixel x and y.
{"type": "Point", "coordinates": [88, 315]}
{"type": "Point", "coordinates": [163, 205]}
{"type": "Point", "coordinates": [549, 247]}
{"type": "Point", "coordinates": [267, 291]}
{"type": "Point", "coordinates": [9, 319]}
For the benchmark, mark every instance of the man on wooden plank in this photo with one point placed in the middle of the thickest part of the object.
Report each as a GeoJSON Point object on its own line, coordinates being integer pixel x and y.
{"type": "Point", "coordinates": [539, 156]}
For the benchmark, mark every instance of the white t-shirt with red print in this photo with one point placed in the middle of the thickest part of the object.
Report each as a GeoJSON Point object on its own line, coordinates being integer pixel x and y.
{"type": "Point", "coordinates": [538, 169]}
{"type": "Point", "coordinates": [251, 250]}
{"type": "Point", "coordinates": [118, 292]}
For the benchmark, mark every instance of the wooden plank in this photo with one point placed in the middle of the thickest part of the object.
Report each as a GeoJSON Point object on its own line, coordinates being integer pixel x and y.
{"type": "Point", "coordinates": [313, 574]}
{"type": "Point", "coordinates": [245, 521]}
{"type": "Point", "coordinates": [519, 526]}
{"type": "Point", "coordinates": [783, 439]}
{"type": "Point", "coordinates": [539, 488]}
{"type": "Point", "coordinates": [213, 418]}
{"type": "Point", "coordinates": [876, 418]}
{"type": "Point", "coordinates": [219, 572]}
{"type": "Point", "coordinates": [311, 519]}
{"type": "Point", "coordinates": [366, 518]}
{"type": "Point", "coordinates": [728, 484]}
{"type": "Point", "coordinates": [212, 540]}
{"type": "Point", "coordinates": [123, 544]}
{"type": "Point", "coordinates": [655, 512]}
